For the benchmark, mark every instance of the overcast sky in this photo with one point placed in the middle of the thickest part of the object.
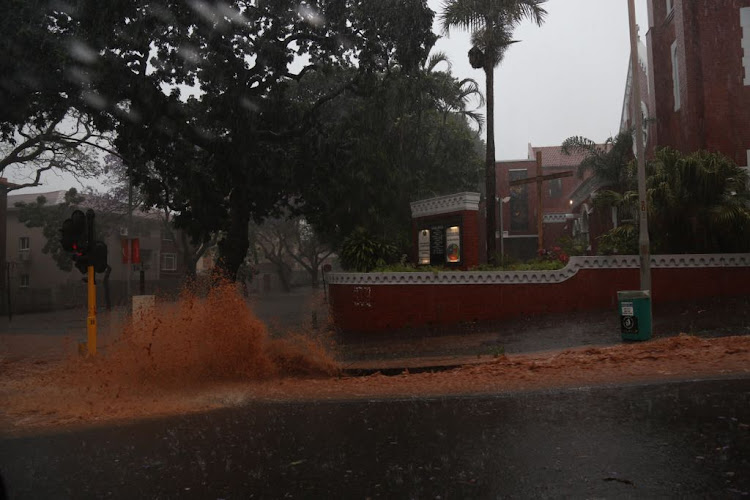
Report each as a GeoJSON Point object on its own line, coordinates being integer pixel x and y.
{"type": "Point", "coordinates": [564, 78]}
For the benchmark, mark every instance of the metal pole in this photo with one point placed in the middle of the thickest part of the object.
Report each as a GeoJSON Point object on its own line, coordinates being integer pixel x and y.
{"type": "Point", "coordinates": [91, 320]}
{"type": "Point", "coordinates": [128, 270]}
{"type": "Point", "coordinates": [540, 203]}
{"type": "Point", "coordinates": [502, 237]}
{"type": "Point", "coordinates": [643, 240]}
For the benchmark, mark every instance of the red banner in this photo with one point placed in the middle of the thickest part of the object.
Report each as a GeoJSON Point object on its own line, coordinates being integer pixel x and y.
{"type": "Point", "coordinates": [125, 251]}
{"type": "Point", "coordinates": [135, 251]}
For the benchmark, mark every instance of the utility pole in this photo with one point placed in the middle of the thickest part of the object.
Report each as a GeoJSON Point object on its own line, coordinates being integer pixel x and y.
{"type": "Point", "coordinates": [91, 286]}
{"type": "Point", "coordinates": [643, 240]}
{"type": "Point", "coordinates": [128, 267]}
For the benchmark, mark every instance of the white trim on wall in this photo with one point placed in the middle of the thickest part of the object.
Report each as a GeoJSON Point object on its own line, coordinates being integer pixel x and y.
{"type": "Point", "coordinates": [675, 76]}
{"type": "Point", "coordinates": [445, 204]}
{"type": "Point", "coordinates": [745, 24]}
{"type": "Point", "coordinates": [575, 264]}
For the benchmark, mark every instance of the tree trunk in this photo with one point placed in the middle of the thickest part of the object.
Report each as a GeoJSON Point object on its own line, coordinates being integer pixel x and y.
{"type": "Point", "coordinates": [314, 271]}
{"type": "Point", "coordinates": [233, 248]}
{"type": "Point", "coordinates": [284, 275]}
{"type": "Point", "coordinates": [489, 167]}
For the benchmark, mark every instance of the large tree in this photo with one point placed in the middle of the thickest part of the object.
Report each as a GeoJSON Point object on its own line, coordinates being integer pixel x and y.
{"type": "Point", "coordinates": [491, 23]}
{"type": "Point", "coordinates": [397, 138]}
{"type": "Point", "coordinates": [46, 122]}
{"type": "Point", "coordinates": [222, 156]}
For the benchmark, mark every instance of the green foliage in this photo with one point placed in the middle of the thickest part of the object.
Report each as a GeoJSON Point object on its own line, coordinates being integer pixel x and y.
{"type": "Point", "coordinates": [609, 163]}
{"type": "Point", "coordinates": [491, 23]}
{"type": "Point", "coordinates": [572, 246]}
{"type": "Point", "coordinates": [532, 265]}
{"type": "Point", "coordinates": [697, 203]}
{"type": "Point", "coordinates": [622, 240]}
{"type": "Point", "coordinates": [399, 137]}
{"type": "Point", "coordinates": [362, 252]}
{"type": "Point", "coordinates": [410, 268]}
{"type": "Point", "coordinates": [227, 154]}
{"type": "Point", "coordinates": [497, 351]}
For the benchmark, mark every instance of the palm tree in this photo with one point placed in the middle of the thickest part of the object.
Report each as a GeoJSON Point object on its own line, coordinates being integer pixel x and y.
{"type": "Point", "coordinates": [698, 202]}
{"type": "Point", "coordinates": [451, 96]}
{"type": "Point", "coordinates": [491, 23]}
{"type": "Point", "coordinates": [608, 162]}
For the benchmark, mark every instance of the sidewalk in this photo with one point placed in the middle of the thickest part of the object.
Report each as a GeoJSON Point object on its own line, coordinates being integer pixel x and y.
{"type": "Point", "coordinates": [470, 344]}
{"type": "Point", "coordinates": [53, 334]}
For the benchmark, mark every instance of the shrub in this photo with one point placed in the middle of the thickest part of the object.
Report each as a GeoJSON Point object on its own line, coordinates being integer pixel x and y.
{"type": "Point", "coordinates": [362, 252]}
{"type": "Point", "coordinates": [554, 254]}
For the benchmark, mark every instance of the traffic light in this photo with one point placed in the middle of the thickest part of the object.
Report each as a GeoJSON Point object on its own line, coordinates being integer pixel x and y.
{"type": "Point", "coordinates": [77, 238]}
{"type": "Point", "coordinates": [81, 262]}
{"type": "Point", "coordinates": [75, 233]}
{"type": "Point", "coordinates": [98, 256]}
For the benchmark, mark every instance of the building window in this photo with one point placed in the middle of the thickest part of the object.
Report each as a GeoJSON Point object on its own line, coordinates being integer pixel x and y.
{"type": "Point", "coordinates": [670, 6]}
{"type": "Point", "coordinates": [555, 188]}
{"type": "Point", "coordinates": [675, 77]}
{"type": "Point", "coordinates": [745, 24]}
{"type": "Point", "coordinates": [24, 283]}
{"type": "Point", "coordinates": [24, 244]}
{"type": "Point", "coordinates": [166, 236]}
{"type": "Point", "coordinates": [168, 262]}
{"type": "Point", "coordinates": [519, 202]}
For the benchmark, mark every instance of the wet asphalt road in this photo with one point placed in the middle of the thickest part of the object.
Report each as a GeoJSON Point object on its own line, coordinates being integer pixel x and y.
{"type": "Point", "coordinates": [688, 439]}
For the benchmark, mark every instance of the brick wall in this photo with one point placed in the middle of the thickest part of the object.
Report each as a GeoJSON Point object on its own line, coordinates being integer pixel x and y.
{"type": "Point", "coordinates": [384, 307]}
{"type": "Point", "coordinates": [715, 103]}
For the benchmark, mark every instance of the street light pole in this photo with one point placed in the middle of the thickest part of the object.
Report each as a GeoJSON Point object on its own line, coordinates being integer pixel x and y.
{"type": "Point", "coordinates": [500, 203]}
{"type": "Point", "coordinates": [643, 240]}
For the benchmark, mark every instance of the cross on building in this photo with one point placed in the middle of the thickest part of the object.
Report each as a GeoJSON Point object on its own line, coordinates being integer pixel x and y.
{"type": "Point", "coordinates": [539, 178]}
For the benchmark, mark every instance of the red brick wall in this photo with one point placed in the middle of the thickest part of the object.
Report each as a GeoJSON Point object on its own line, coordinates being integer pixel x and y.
{"type": "Point", "coordinates": [715, 103]}
{"type": "Point", "coordinates": [726, 98]}
{"type": "Point", "coordinates": [384, 307]}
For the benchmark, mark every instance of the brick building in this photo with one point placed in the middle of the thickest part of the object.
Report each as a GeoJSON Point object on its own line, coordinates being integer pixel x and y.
{"type": "Point", "coordinates": [699, 62]}
{"type": "Point", "coordinates": [591, 223]}
{"type": "Point", "coordinates": [518, 219]}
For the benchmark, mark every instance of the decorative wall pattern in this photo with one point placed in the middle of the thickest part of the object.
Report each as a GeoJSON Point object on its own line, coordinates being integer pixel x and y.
{"type": "Point", "coordinates": [529, 277]}
{"type": "Point", "coordinates": [445, 204]}
{"type": "Point", "coordinates": [558, 218]}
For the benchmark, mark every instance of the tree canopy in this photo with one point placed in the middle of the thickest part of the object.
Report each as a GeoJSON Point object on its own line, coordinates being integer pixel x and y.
{"type": "Point", "coordinates": [224, 112]}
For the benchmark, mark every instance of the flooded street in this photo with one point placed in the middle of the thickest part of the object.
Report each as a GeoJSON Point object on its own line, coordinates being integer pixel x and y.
{"type": "Point", "coordinates": [203, 399]}
{"type": "Point", "coordinates": [661, 440]}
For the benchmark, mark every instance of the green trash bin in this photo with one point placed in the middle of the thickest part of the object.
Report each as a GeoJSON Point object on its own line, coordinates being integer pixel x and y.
{"type": "Point", "coordinates": [635, 314]}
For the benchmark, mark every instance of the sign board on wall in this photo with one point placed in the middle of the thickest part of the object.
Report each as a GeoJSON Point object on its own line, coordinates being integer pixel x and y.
{"type": "Point", "coordinates": [453, 245]}
{"type": "Point", "coordinates": [424, 247]}
{"type": "Point", "coordinates": [439, 243]}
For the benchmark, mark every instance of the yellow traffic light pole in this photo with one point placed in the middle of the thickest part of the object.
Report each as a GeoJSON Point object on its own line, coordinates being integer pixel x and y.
{"type": "Point", "coordinates": [91, 320]}
{"type": "Point", "coordinates": [91, 285]}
